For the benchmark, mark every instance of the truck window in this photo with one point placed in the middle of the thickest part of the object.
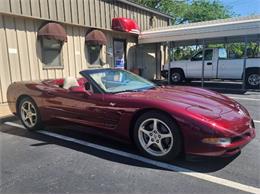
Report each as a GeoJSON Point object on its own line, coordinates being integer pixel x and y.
{"type": "Point", "coordinates": [208, 54]}
{"type": "Point", "coordinates": [198, 56]}
{"type": "Point", "coordinates": [253, 51]}
{"type": "Point", "coordinates": [222, 53]}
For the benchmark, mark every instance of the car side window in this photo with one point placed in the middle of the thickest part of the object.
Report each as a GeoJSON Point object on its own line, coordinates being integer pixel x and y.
{"type": "Point", "coordinates": [197, 57]}
{"type": "Point", "coordinates": [222, 53]}
{"type": "Point", "coordinates": [208, 54]}
{"type": "Point", "coordinates": [93, 89]}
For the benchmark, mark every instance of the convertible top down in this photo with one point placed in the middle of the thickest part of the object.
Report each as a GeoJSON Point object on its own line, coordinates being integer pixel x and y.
{"type": "Point", "coordinates": [162, 121]}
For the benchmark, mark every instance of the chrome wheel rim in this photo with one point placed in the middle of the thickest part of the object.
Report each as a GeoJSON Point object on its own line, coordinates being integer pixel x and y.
{"type": "Point", "coordinates": [176, 77]}
{"type": "Point", "coordinates": [254, 79]}
{"type": "Point", "coordinates": [155, 137]}
{"type": "Point", "coordinates": [28, 114]}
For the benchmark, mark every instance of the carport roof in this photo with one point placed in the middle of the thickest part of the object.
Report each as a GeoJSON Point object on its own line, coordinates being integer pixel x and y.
{"type": "Point", "coordinates": [215, 31]}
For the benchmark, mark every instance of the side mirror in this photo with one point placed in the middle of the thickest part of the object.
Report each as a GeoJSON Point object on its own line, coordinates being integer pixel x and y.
{"type": "Point", "coordinates": [79, 90]}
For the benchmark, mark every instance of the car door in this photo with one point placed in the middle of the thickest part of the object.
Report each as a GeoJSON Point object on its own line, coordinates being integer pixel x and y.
{"type": "Point", "coordinates": [113, 109]}
{"type": "Point", "coordinates": [194, 66]}
{"type": "Point", "coordinates": [229, 68]}
{"type": "Point", "coordinates": [79, 108]}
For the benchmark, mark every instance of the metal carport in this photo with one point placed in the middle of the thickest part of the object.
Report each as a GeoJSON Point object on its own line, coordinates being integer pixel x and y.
{"type": "Point", "coordinates": [240, 29]}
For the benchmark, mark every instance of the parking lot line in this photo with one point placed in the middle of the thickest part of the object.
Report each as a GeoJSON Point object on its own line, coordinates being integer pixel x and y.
{"type": "Point", "coordinates": [256, 121]}
{"type": "Point", "coordinates": [202, 176]}
{"type": "Point", "coordinates": [241, 98]}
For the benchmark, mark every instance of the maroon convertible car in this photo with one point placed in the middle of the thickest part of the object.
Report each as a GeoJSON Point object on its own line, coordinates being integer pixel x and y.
{"type": "Point", "coordinates": [161, 121]}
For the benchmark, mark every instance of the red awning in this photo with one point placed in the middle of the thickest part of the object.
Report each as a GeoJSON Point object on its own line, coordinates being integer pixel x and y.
{"type": "Point", "coordinates": [125, 25]}
{"type": "Point", "coordinates": [53, 31]}
{"type": "Point", "coordinates": [96, 37]}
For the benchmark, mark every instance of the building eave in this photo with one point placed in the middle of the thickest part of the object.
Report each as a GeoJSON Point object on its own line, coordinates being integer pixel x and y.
{"type": "Point", "coordinates": [232, 27]}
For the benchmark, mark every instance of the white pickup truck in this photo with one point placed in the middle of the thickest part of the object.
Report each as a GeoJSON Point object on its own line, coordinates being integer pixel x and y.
{"type": "Point", "coordinates": [217, 66]}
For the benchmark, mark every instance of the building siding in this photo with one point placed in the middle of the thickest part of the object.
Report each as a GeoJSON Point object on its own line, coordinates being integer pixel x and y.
{"type": "Point", "coordinates": [20, 52]}
{"type": "Point", "coordinates": [93, 13]}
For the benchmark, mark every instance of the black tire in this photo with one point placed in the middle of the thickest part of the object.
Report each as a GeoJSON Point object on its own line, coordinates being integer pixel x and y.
{"type": "Point", "coordinates": [176, 148]}
{"type": "Point", "coordinates": [38, 123]}
{"type": "Point", "coordinates": [177, 76]}
{"type": "Point", "coordinates": [252, 80]}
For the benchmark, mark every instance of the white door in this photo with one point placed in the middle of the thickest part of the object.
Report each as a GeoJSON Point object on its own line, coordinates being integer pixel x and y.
{"type": "Point", "coordinates": [194, 66]}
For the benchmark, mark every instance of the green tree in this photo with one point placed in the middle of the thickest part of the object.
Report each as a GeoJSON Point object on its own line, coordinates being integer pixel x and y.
{"type": "Point", "coordinates": [187, 11]}
{"type": "Point", "coordinates": [204, 10]}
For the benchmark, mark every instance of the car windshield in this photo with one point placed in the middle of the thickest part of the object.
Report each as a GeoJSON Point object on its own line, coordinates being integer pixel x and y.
{"type": "Point", "coordinates": [116, 81]}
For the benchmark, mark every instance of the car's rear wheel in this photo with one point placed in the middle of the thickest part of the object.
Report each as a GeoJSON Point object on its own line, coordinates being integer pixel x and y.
{"type": "Point", "coordinates": [157, 136]}
{"type": "Point", "coordinates": [29, 114]}
{"type": "Point", "coordinates": [253, 80]}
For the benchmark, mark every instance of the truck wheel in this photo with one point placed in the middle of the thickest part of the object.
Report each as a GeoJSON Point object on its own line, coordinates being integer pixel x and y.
{"type": "Point", "coordinates": [177, 76]}
{"type": "Point", "coordinates": [253, 80]}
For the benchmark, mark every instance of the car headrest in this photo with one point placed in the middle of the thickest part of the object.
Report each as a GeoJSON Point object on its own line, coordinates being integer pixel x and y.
{"type": "Point", "coordinates": [82, 81]}
{"type": "Point", "coordinates": [70, 82]}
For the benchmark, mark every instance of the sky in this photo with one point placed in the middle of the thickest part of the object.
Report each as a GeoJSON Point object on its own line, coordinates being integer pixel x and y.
{"type": "Point", "coordinates": [243, 7]}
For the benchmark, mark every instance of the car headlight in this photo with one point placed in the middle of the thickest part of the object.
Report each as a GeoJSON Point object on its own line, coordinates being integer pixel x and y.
{"type": "Point", "coordinates": [217, 141]}
{"type": "Point", "coordinates": [252, 124]}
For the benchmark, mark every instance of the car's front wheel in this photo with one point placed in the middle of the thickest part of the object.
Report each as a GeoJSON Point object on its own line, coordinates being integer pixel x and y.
{"type": "Point", "coordinates": [177, 76]}
{"type": "Point", "coordinates": [29, 114]}
{"type": "Point", "coordinates": [157, 136]}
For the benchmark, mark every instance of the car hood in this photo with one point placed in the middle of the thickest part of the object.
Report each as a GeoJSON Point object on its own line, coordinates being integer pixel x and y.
{"type": "Point", "coordinates": [196, 100]}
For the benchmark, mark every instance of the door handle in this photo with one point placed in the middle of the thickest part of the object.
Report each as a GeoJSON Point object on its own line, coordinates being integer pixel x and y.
{"type": "Point", "coordinates": [209, 63]}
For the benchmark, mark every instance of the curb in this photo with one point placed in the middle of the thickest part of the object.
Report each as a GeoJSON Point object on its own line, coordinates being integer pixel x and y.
{"type": "Point", "coordinates": [8, 118]}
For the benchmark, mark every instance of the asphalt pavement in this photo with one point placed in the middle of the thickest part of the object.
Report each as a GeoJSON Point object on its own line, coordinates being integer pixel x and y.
{"type": "Point", "coordinates": [68, 161]}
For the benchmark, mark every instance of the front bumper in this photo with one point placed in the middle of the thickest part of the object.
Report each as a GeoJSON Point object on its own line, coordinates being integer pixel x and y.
{"type": "Point", "coordinates": [237, 143]}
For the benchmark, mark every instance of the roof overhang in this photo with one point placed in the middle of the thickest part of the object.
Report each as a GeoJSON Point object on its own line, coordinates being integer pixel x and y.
{"type": "Point", "coordinates": [217, 31]}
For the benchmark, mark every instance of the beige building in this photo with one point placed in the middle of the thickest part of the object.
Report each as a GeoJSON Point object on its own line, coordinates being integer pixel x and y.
{"type": "Point", "coordinates": [25, 56]}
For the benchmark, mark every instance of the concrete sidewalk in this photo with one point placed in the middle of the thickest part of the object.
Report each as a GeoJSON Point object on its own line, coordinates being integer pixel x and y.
{"type": "Point", "coordinates": [4, 111]}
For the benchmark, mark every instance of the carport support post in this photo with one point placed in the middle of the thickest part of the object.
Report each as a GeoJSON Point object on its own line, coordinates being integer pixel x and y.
{"type": "Point", "coordinates": [244, 66]}
{"type": "Point", "coordinates": [203, 63]}
{"type": "Point", "coordinates": [169, 61]}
